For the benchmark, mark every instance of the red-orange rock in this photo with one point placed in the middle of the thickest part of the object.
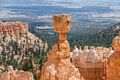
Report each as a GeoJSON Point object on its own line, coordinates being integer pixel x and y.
{"type": "Point", "coordinates": [113, 68]}
{"type": "Point", "coordinates": [62, 36]}
{"type": "Point", "coordinates": [58, 66]}
{"type": "Point", "coordinates": [13, 27]}
{"type": "Point", "coordinates": [64, 48]}
{"type": "Point", "coordinates": [16, 75]}
{"type": "Point", "coordinates": [61, 23]}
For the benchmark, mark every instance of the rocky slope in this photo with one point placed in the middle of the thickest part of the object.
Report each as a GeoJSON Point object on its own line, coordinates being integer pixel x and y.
{"type": "Point", "coordinates": [20, 48]}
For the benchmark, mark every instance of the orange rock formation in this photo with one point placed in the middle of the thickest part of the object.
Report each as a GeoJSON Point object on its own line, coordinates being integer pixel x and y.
{"type": "Point", "coordinates": [13, 28]}
{"type": "Point", "coordinates": [113, 68]}
{"type": "Point", "coordinates": [16, 75]}
{"type": "Point", "coordinates": [58, 66]}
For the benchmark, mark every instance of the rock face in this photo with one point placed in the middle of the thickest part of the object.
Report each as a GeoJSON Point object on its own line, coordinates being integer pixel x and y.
{"type": "Point", "coordinates": [16, 75]}
{"type": "Point", "coordinates": [11, 28]}
{"type": "Point", "coordinates": [58, 66]}
{"type": "Point", "coordinates": [113, 68]}
{"type": "Point", "coordinates": [18, 32]}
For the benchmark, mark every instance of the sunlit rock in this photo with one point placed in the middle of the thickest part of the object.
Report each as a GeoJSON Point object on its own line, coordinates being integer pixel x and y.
{"type": "Point", "coordinates": [12, 74]}
{"type": "Point", "coordinates": [58, 66]}
{"type": "Point", "coordinates": [14, 28]}
{"type": "Point", "coordinates": [92, 55]}
{"type": "Point", "coordinates": [113, 68]}
{"type": "Point", "coordinates": [80, 50]}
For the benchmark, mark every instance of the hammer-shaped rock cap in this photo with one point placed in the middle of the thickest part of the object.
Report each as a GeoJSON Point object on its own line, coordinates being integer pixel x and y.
{"type": "Point", "coordinates": [61, 23]}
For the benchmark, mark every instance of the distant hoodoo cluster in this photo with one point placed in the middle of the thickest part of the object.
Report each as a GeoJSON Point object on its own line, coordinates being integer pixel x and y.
{"type": "Point", "coordinates": [92, 61]}
{"type": "Point", "coordinates": [92, 54]}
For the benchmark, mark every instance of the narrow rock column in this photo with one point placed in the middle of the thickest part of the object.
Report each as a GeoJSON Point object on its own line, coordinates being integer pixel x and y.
{"type": "Point", "coordinates": [62, 26]}
{"type": "Point", "coordinates": [58, 66]}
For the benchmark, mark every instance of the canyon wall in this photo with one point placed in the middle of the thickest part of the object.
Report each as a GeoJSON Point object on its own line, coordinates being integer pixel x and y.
{"type": "Point", "coordinates": [13, 28]}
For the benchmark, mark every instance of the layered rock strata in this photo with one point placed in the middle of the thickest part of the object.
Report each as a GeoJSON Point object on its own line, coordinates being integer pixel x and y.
{"type": "Point", "coordinates": [13, 28]}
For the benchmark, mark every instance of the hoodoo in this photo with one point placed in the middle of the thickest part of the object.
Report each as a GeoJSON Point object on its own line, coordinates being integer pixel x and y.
{"type": "Point", "coordinates": [58, 66]}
